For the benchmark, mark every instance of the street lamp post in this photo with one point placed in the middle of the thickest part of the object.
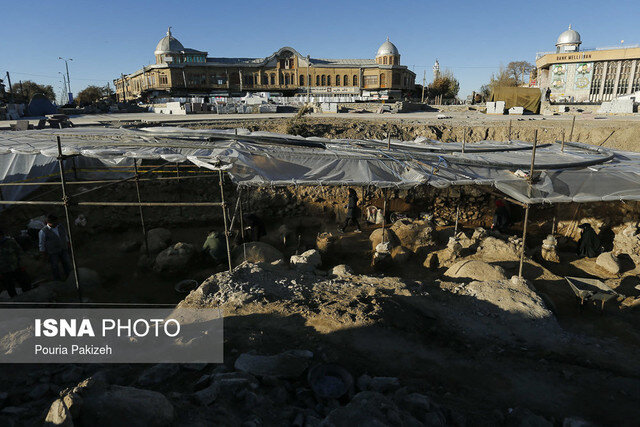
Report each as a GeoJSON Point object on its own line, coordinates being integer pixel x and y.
{"type": "Point", "coordinates": [66, 64]}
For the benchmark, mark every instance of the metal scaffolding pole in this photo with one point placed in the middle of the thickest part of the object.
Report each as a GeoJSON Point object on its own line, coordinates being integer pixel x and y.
{"type": "Point", "coordinates": [224, 216]}
{"type": "Point", "coordinates": [120, 204]}
{"type": "Point", "coordinates": [65, 202]}
{"type": "Point", "coordinates": [526, 211]}
{"type": "Point", "coordinates": [573, 123]}
{"type": "Point", "coordinates": [179, 186]}
{"type": "Point", "coordinates": [455, 228]}
{"type": "Point", "coordinates": [144, 229]}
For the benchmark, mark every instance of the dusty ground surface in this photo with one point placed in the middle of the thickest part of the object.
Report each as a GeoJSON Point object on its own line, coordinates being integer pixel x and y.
{"type": "Point", "coordinates": [478, 352]}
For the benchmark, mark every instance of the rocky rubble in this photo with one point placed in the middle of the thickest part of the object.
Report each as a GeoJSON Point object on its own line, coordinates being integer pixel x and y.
{"type": "Point", "coordinates": [94, 402]}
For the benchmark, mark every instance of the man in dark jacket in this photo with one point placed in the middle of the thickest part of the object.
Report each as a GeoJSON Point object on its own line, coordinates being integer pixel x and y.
{"type": "Point", "coordinates": [10, 270]}
{"type": "Point", "coordinates": [589, 244]}
{"type": "Point", "coordinates": [501, 218]}
{"type": "Point", "coordinates": [255, 225]}
{"type": "Point", "coordinates": [54, 243]}
{"type": "Point", "coordinates": [352, 211]}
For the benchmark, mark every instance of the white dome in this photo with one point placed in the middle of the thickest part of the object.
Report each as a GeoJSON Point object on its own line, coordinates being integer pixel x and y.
{"type": "Point", "coordinates": [387, 48]}
{"type": "Point", "coordinates": [168, 44]}
{"type": "Point", "coordinates": [569, 37]}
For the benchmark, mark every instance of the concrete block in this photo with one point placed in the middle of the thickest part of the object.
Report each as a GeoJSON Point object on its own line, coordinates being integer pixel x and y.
{"type": "Point", "coordinates": [517, 111]}
{"type": "Point", "coordinates": [495, 107]}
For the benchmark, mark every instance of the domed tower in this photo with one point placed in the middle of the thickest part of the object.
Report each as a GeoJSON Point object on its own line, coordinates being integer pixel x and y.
{"type": "Point", "coordinates": [388, 54]}
{"type": "Point", "coordinates": [568, 41]}
{"type": "Point", "coordinates": [168, 48]}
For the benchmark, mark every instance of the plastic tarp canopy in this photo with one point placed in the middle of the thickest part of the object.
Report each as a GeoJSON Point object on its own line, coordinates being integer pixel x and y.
{"type": "Point", "coordinates": [528, 98]}
{"type": "Point", "coordinates": [579, 173]}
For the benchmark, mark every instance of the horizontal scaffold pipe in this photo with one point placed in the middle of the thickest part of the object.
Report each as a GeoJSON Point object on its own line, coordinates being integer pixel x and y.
{"type": "Point", "coordinates": [144, 204]}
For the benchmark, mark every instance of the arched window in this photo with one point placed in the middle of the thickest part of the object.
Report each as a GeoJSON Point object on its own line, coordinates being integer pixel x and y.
{"type": "Point", "coordinates": [384, 60]}
{"type": "Point", "coordinates": [273, 79]}
{"type": "Point", "coordinates": [324, 80]}
{"type": "Point", "coordinates": [382, 80]}
{"type": "Point", "coordinates": [346, 80]}
{"type": "Point", "coordinates": [355, 80]}
{"type": "Point", "coordinates": [301, 80]}
{"type": "Point", "coordinates": [287, 79]}
{"type": "Point", "coordinates": [317, 80]}
{"type": "Point", "coordinates": [328, 80]}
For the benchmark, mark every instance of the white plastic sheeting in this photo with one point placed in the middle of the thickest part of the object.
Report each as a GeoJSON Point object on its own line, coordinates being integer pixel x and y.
{"type": "Point", "coordinates": [580, 173]}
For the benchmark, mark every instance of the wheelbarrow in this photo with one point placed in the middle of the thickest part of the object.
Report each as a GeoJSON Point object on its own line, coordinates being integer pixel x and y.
{"type": "Point", "coordinates": [587, 289]}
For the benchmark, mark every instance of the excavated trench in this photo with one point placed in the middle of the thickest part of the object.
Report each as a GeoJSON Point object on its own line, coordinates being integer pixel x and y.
{"type": "Point", "coordinates": [407, 322]}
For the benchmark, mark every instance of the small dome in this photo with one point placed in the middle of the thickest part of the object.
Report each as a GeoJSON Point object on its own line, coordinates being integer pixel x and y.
{"type": "Point", "coordinates": [569, 37]}
{"type": "Point", "coordinates": [387, 48]}
{"type": "Point", "coordinates": [168, 44]}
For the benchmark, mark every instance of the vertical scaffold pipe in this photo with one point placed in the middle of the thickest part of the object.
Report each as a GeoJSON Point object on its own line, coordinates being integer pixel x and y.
{"type": "Point", "coordinates": [224, 217]}
{"type": "Point", "coordinates": [573, 123]}
{"type": "Point", "coordinates": [144, 228]}
{"type": "Point", "coordinates": [524, 238]}
{"type": "Point", "coordinates": [526, 212]}
{"type": "Point", "coordinates": [65, 201]}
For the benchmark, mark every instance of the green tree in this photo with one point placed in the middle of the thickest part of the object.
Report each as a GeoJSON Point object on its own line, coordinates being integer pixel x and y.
{"type": "Point", "coordinates": [446, 85]}
{"type": "Point", "coordinates": [91, 94]}
{"type": "Point", "coordinates": [25, 90]}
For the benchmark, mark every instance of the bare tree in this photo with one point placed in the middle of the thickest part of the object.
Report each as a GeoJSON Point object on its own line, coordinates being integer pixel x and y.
{"type": "Point", "coordinates": [518, 70]}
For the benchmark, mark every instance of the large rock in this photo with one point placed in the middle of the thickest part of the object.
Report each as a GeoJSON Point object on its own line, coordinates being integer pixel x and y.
{"type": "Point", "coordinates": [342, 270]}
{"type": "Point", "coordinates": [475, 270]}
{"type": "Point", "coordinates": [492, 248]}
{"type": "Point", "coordinates": [369, 408]}
{"type": "Point", "coordinates": [325, 242]}
{"type": "Point", "coordinates": [95, 403]}
{"type": "Point", "coordinates": [118, 405]}
{"type": "Point", "coordinates": [400, 254]}
{"type": "Point", "coordinates": [256, 252]}
{"type": "Point", "coordinates": [158, 238]}
{"type": "Point", "coordinates": [290, 364]}
{"type": "Point", "coordinates": [58, 415]}
{"type": "Point", "coordinates": [609, 262]}
{"type": "Point", "coordinates": [549, 249]}
{"type": "Point", "coordinates": [175, 258]}
{"type": "Point", "coordinates": [307, 262]}
{"type": "Point", "coordinates": [389, 236]}
{"type": "Point", "coordinates": [414, 235]}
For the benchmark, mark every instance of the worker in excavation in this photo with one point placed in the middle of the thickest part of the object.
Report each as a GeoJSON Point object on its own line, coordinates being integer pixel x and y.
{"type": "Point", "coordinates": [589, 243]}
{"type": "Point", "coordinates": [215, 247]}
{"type": "Point", "coordinates": [10, 270]}
{"type": "Point", "coordinates": [54, 243]}
{"type": "Point", "coordinates": [501, 217]}
{"type": "Point", "coordinates": [352, 211]}
{"type": "Point", "coordinates": [255, 226]}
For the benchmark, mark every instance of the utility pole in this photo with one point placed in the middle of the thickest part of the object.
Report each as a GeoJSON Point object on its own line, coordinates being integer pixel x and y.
{"type": "Point", "coordinates": [424, 79]}
{"type": "Point", "coordinates": [10, 87]}
{"type": "Point", "coordinates": [124, 94]}
{"type": "Point", "coordinates": [308, 78]}
{"type": "Point", "coordinates": [66, 86]}
{"type": "Point", "coordinates": [66, 64]}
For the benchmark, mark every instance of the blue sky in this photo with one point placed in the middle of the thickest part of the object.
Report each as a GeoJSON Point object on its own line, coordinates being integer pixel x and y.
{"type": "Point", "coordinates": [472, 38]}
